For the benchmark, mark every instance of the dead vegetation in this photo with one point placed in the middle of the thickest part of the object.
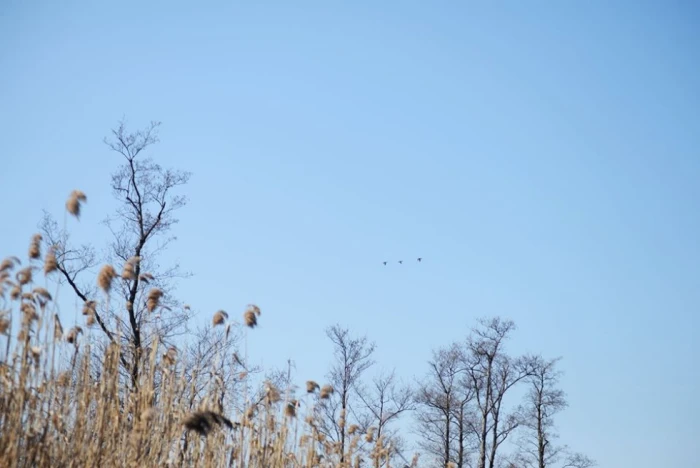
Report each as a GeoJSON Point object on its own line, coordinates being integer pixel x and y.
{"type": "Point", "coordinates": [61, 407]}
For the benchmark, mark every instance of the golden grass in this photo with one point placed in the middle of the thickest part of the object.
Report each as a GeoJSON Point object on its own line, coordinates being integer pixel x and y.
{"type": "Point", "coordinates": [59, 406]}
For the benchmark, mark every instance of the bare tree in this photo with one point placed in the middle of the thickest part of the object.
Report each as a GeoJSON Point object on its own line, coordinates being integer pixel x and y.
{"type": "Point", "coordinates": [212, 368]}
{"type": "Point", "coordinates": [140, 227]}
{"type": "Point", "coordinates": [492, 373]}
{"type": "Point", "coordinates": [463, 417]}
{"type": "Point", "coordinates": [437, 397]}
{"type": "Point", "coordinates": [385, 401]}
{"type": "Point", "coordinates": [543, 400]}
{"type": "Point", "coordinates": [462, 403]}
{"type": "Point", "coordinates": [352, 357]}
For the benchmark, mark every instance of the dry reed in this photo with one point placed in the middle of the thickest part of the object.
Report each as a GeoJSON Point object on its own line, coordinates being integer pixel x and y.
{"type": "Point", "coordinates": [129, 271]}
{"type": "Point", "coordinates": [75, 199]}
{"type": "Point", "coordinates": [50, 263]}
{"type": "Point", "coordinates": [153, 299]}
{"type": "Point", "coordinates": [105, 277]}
{"type": "Point", "coordinates": [65, 399]}
{"type": "Point", "coordinates": [35, 247]}
{"type": "Point", "coordinates": [219, 318]}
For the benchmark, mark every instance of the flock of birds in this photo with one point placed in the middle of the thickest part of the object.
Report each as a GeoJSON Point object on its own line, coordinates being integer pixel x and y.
{"type": "Point", "coordinates": [401, 261]}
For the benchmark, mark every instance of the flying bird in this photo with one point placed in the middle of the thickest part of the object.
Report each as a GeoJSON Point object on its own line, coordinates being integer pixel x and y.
{"type": "Point", "coordinates": [419, 259]}
{"type": "Point", "coordinates": [401, 261]}
{"type": "Point", "coordinates": [384, 263]}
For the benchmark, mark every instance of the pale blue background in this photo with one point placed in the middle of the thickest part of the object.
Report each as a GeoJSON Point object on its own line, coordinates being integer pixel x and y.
{"type": "Point", "coordinates": [542, 157]}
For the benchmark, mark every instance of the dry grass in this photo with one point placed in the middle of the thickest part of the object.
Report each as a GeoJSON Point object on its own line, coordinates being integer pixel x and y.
{"type": "Point", "coordinates": [58, 409]}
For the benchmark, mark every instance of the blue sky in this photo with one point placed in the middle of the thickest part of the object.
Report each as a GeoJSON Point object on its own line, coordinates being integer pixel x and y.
{"type": "Point", "coordinates": [542, 157]}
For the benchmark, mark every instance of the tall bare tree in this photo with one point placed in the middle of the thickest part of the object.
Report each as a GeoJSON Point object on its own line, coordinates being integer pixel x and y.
{"type": "Point", "coordinates": [438, 396]}
{"type": "Point", "coordinates": [146, 204]}
{"type": "Point", "coordinates": [464, 417]}
{"type": "Point", "coordinates": [543, 400]}
{"type": "Point", "coordinates": [352, 357]}
{"type": "Point", "coordinates": [492, 373]}
{"type": "Point", "coordinates": [385, 399]}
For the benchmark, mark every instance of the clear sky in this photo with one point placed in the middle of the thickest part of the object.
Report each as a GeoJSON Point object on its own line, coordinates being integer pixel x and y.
{"type": "Point", "coordinates": [542, 158]}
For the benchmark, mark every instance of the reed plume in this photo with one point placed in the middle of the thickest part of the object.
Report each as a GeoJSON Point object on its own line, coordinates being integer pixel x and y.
{"type": "Point", "coordinates": [50, 263]}
{"type": "Point", "coordinates": [153, 299]}
{"type": "Point", "coordinates": [105, 277]}
{"type": "Point", "coordinates": [219, 318]}
{"type": "Point", "coordinates": [35, 246]}
{"type": "Point", "coordinates": [75, 199]}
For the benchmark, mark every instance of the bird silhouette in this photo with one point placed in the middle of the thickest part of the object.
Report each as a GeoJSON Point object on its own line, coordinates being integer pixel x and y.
{"type": "Point", "coordinates": [401, 261]}
{"type": "Point", "coordinates": [384, 263]}
{"type": "Point", "coordinates": [419, 259]}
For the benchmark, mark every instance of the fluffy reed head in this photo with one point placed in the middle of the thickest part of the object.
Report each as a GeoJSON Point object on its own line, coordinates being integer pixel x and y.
{"type": "Point", "coordinates": [42, 296]}
{"type": "Point", "coordinates": [105, 277]}
{"type": "Point", "coordinates": [311, 386]}
{"type": "Point", "coordinates": [24, 275]}
{"type": "Point", "coordinates": [73, 333]}
{"type": "Point", "coordinates": [50, 263]}
{"type": "Point", "coordinates": [272, 393]}
{"type": "Point", "coordinates": [154, 296]}
{"type": "Point", "coordinates": [89, 307]}
{"type": "Point", "coordinates": [255, 309]}
{"type": "Point", "coordinates": [219, 318]}
{"type": "Point", "coordinates": [129, 271]}
{"type": "Point", "coordinates": [250, 319]}
{"type": "Point", "coordinates": [35, 246]}
{"type": "Point", "coordinates": [75, 199]}
{"type": "Point", "coordinates": [170, 356]}
{"type": "Point", "coordinates": [8, 264]}
{"type": "Point", "coordinates": [290, 409]}
{"type": "Point", "coordinates": [326, 391]}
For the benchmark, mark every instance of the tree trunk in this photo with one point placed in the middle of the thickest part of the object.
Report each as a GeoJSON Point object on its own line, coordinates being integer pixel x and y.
{"type": "Point", "coordinates": [485, 417]}
{"type": "Point", "coordinates": [494, 438]}
{"type": "Point", "coordinates": [540, 438]}
{"type": "Point", "coordinates": [460, 454]}
{"type": "Point", "coordinates": [448, 423]}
